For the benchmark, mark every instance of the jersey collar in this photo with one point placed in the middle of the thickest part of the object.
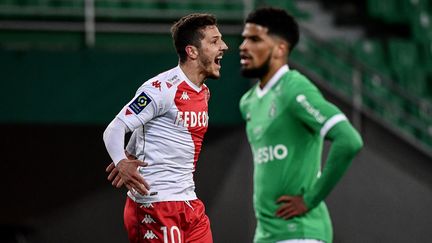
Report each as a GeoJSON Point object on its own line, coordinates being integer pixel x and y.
{"type": "Point", "coordinates": [282, 70]}
{"type": "Point", "coordinates": [190, 83]}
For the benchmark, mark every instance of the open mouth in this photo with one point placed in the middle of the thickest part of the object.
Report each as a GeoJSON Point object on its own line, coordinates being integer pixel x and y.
{"type": "Point", "coordinates": [218, 60]}
{"type": "Point", "coordinates": [244, 59]}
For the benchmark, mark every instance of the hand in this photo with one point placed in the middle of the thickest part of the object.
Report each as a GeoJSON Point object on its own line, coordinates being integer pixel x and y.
{"type": "Point", "coordinates": [127, 170]}
{"type": "Point", "coordinates": [291, 206]}
{"type": "Point", "coordinates": [113, 176]}
{"type": "Point", "coordinates": [126, 173]}
{"type": "Point", "coordinates": [113, 172]}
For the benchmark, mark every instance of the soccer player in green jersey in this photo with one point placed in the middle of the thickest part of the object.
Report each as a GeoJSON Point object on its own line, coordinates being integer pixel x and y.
{"type": "Point", "coordinates": [287, 120]}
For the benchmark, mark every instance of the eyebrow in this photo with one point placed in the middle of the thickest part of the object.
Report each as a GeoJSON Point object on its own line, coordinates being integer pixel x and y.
{"type": "Point", "coordinates": [251, 36]}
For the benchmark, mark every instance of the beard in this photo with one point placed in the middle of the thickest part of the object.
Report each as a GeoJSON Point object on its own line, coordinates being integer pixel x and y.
{"type": "Point", "coordinates": [257, 72]}
{"type": "Point", "coordinates": [206, 62]}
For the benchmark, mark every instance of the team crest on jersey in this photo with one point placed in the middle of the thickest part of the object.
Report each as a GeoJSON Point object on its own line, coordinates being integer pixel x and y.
{"type": "Point", "coordinates": [156, 84]}
{"type": "Point", "coordinates": [140, 103]}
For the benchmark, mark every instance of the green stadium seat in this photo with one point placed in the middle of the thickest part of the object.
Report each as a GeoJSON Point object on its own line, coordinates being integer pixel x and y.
{"type": "Point", "coordinates": [425, 50]}
{"type": "Point", "coordinates": [417, 5]}
{"type": "Point", "coordinates": [403, 57]}
{"type": "Point", "coordinates": [289, 5]}
{"type": "Point", "coordinates": [371, 52]}
{"type": "Point", "coordinates": [141, 4]}
{"type": "Point", "coordinates": [421, 25]}
{"type": "Point", "coordinates": [375, 92]}
{"type": "Point", "coordinates": [116, 4]}
{"type": "Point", "coordinates": [386, 10]}
{"type": "Point", "coordinates": [403, 53]}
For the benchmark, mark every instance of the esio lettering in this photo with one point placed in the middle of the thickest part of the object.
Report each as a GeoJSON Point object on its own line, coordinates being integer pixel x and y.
{"type": "Point", "coordinates": [269, 153]}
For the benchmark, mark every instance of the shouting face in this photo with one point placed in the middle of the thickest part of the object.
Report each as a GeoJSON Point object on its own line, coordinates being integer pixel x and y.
{"type": "Point", "coordinates": [211, 51]}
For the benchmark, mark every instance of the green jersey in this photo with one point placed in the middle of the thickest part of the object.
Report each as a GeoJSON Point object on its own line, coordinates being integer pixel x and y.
{"type": "Point", "coordinates": [285, 124]}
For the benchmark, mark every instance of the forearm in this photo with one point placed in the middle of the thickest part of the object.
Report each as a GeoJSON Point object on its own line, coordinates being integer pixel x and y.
{"type": "Point", "coordinates": [113, 138]}
{"type": "Point", "coordinates": [346, 143]}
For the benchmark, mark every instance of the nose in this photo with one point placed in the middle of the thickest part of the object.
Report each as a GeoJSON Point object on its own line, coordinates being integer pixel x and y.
{"type": "Point", "coordinates": [224, 46]}
{"type": "Point", "coordinates": [243, 45]}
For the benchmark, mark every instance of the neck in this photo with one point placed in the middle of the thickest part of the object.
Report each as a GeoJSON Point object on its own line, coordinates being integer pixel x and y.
{"type": "Point", "coordinates": [190, 70]}
{"type": "Point", "coordinates": [272, 70]}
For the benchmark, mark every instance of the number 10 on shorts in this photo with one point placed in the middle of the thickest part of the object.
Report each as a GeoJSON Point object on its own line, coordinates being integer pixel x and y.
{"type": "Point", "coordinates": [174, 232]}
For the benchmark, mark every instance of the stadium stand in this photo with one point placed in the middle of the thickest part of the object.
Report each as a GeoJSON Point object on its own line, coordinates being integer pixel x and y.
{"type": "Point", "coordinates": [394, 65]}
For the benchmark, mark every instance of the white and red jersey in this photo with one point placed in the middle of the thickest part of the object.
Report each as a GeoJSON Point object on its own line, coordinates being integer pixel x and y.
{"type": "Point", "coordinates": [169, 117]}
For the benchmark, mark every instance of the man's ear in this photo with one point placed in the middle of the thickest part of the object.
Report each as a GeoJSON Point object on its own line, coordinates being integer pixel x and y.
{"type": "Point", "coordinates": [282, 49]}
{"type": "Point", "coordinates": [192, 52]}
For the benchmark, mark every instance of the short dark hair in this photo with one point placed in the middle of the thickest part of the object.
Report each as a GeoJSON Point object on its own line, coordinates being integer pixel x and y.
{"type": "Point", "coordinates": [188, 31]}
{"type": "Point", "coordinates": [278, 22]}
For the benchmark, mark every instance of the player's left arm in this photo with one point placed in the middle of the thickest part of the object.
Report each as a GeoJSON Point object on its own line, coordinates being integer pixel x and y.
{"type": "Point", "coordinates": [346, 143]}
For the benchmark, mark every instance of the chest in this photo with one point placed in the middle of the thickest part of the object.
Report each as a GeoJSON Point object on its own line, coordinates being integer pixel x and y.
{"type": "Point", "coordinates": [190, 109]}
{"type": "Point", "coordinates": [266, 116]}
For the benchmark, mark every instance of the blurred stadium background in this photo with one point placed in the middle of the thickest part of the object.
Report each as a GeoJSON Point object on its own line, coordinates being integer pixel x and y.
{"type": "Point", "coordinates": [67, 66]}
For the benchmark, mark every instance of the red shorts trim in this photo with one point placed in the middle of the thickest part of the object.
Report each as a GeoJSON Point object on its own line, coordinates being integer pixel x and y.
{"type": "Point", "coordinates": [167, 222]}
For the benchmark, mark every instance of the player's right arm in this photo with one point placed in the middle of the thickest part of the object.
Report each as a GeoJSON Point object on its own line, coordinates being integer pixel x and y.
{"type": "Point", "coordinates": [127, 168]}
{"type": "Point", "coordinates": [147, 104]}
{"type": "Point", "coordinates": [112, 170]}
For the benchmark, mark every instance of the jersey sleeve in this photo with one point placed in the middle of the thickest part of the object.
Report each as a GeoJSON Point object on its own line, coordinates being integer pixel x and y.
{"type": "Point", "coordinates": [315, 112]}
{"type": "Point", "coordinates": [346, 143]}
{"type": "Point", "coordinates": [150, 101]}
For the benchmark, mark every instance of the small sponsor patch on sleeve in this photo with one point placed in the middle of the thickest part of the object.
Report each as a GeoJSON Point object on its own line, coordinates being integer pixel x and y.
{"type": "Point", "coordinates": [140, 103]}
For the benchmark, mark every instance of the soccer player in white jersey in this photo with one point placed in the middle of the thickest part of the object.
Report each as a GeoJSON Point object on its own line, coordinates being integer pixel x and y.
{"type": "Point", "coordinates": [168, 117]}
{"type": "Point", "coordinates": [287, 120]}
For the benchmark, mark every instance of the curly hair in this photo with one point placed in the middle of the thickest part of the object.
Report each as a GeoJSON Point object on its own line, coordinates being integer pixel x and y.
{"type": "Point", "coordinates": [278, 22]}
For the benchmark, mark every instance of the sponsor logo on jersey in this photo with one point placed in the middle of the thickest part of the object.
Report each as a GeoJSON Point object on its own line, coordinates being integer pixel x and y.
{"type": "Point", "coordinates": [184, 96]}
{"type": "Point", "coordinates": [150, 235]}
{"type": "Point", "coordinates": [270, 153]}
{"type": "Point", "coordinates": [147, 219]}
{"type": "Point", "coordinates": [192, 118]}
{"type": "Point", "coordinates": [156, 84]}
{"type": "Point", "coordinates": [174, 79]}
{"type": "Point", "coordinates": [169, 85]}
{"type": "Point", "coordinates": [301, 99]}
{"type": "Point", "coordinates": [139, 103]}
{"type": "Point", "coordinates": [128, 112]}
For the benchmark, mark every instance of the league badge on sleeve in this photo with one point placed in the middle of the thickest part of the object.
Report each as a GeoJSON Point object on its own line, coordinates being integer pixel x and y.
{"type": "Point", "coordinates": [140, 103]}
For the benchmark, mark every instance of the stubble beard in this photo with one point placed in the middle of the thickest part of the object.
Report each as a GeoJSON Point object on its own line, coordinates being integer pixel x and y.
{"type": "Point", "coordinates": [206, 63]}
{"type": "Point", "coordinates": [257, 72]}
